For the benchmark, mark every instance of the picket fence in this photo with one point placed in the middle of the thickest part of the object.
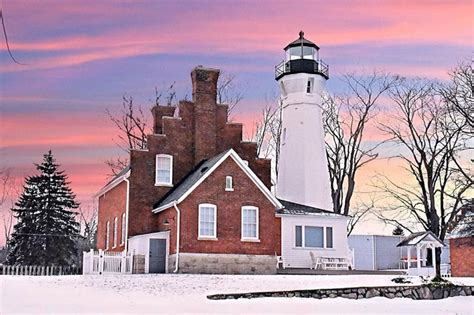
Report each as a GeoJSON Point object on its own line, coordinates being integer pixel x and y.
{"type": "Point", "coordinates": [39, 270]}
{"type": "Point", "coordinates": [100, 262]}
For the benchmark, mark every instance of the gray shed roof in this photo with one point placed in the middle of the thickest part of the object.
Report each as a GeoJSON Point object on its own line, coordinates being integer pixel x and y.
{"type": "Point", "coordinates": [189, 180]}
{"type": "Point", "coordinates": [415, 238]}
{"type": "Point", "coordinates": [296, 208]}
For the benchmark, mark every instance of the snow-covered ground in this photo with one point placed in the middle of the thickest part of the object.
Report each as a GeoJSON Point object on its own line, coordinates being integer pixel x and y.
{"type": "Point", "coordinates": [170, 293]}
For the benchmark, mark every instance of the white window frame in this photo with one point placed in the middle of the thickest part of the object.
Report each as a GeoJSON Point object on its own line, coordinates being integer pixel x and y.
{"type": "Point", "coordinates": [123, 230]}
{"type": "Point", "coordinates": [303, 240]}
{"type": "Point", "coordinates": [252, 239]}
{"type": "Point", "coordinates": [107, 232]}
{"type": "Point", "coordinates": [229, 184]}
{"type": "Point", "coordinates": [115, 232]}
{"type": "Point", "coordinates": [207, 237]}
{"type": "Point", "coordinates": [162, 183]}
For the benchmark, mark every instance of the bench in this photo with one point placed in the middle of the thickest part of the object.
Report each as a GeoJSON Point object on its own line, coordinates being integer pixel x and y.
{"type": "Point", "coordinates": [329, 263]}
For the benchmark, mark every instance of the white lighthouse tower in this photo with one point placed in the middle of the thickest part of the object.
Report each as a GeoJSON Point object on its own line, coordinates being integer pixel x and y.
{"type": "Point", "coordinates": [303, 175]}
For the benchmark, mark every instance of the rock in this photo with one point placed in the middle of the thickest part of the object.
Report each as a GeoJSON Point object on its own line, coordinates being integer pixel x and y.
{"type": "Point", "coordinates": [371, 293]}
{"type": "Point", "coordinates": [391, 289]}
{"type": "Point", "coordinates": [462, 293]}
{"type": "Point", "coordinates": [424, 293]}
{"type": "Point", "coordinates": [445, 293]}
{"type": "Point", "coordinates": [389, 295]}
{"type": "Point", "coordinates": [290, 294]}
{"type": "Point", "coordinates": [398, 294]}
{"type": "Point", "coordinates": [332, 295]}
{"type": "Point", "coordinates": [361, 291]}
{"type": "Point", "coordinates": [468, 290]}
{"type": "Point", "coordinates": [352, 296]}
{"type": "Point", "coordinates": [437, 293]}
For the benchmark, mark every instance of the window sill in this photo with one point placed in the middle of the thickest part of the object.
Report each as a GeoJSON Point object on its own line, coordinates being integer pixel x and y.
{"type": "Point", "coordinates": [312, 248]}
{"type": "Point", "coordinates": [229, 189]}
{"type": "Point", "coordinates": [207, 238]}
{"type": "Point", "coordinates": [163, 185]}
{"type": "Point", "coordinates": [251, 240]}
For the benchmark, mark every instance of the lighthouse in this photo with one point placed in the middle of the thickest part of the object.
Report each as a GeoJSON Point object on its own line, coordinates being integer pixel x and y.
{"type": "Point", "coordinates": [303, 175]}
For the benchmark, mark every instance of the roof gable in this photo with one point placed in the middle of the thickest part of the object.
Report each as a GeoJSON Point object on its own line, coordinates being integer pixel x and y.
{"type": "Point", "coordinates": [203, 171]}
{"type": "Point", "coordinates": [114, 181]}
{"type": "Point", "coordinates": [419, 237]}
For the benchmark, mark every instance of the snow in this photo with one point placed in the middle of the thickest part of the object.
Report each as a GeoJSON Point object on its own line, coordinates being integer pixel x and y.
{"type": "Point", "coordinates": [141, 294]}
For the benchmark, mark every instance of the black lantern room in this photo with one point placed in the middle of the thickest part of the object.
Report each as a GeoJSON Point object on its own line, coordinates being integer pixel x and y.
{"type": "Point", "coordinates": [301, 56]}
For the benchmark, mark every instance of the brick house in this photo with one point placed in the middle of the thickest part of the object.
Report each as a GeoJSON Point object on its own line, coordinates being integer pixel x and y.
{"type": "Point", "coordinates": [198, 180]}
{"type": "Point", "coordinates": [199, 199]}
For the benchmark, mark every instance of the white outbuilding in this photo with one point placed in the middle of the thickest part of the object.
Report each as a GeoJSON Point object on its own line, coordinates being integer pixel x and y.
{"type": "Point", "coordinates": [417, 264]}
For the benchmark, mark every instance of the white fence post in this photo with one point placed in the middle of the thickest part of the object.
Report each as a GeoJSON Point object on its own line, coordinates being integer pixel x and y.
{"type": "Point", "coordinates": [101, 261]}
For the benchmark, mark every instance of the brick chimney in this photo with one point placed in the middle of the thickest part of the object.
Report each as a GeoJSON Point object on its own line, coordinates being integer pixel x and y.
{"type": "Point", "coordinates": [158, 112]}
{"type": "Point", "coordinates": [205, 112]}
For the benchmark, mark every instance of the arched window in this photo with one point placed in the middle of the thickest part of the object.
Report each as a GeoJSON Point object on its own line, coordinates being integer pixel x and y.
{"type": "Point", "coordinates": [115, 232]}
{"type": "Point", "coordinates": [107, 231]}
{"type": "Point", "coordinates": [124, 226]}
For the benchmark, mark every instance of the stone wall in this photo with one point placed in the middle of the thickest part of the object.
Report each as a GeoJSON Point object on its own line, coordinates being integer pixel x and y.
{"type": "Point", "coordinates": [223, 264]}
{"type": "Point", "coordinates": [423, 292]}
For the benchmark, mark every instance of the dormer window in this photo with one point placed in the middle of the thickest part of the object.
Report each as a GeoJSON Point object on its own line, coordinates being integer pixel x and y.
{"type": "Point", "coordinates": [164, 170]}
{"type": "Point", "coordinates": [228, 184]}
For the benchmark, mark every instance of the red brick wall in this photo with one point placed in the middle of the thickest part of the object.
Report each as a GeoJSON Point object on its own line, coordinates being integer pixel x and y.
{"type": "Point", "coordinates": [111, 205]}
{"type": "Point", "coordinates": [462, 256]}
{"type": "Point", "coordinates": [200, 132]}
{"type": "Point", "coordinates": [229, 204]}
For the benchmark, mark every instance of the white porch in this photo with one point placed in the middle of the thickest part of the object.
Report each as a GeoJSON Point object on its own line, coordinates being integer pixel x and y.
{"type": "Point", "coordinates": [419, 247]}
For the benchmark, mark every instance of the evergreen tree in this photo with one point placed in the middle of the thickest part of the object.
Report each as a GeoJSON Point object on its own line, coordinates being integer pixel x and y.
{"type": "Point", "coordinates": [46, 229]}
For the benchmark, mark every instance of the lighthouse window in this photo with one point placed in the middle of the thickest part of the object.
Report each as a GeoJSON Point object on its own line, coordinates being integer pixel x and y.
{"type": "Point", "coordinates": [308, 52]}
{"type": "Point", "coordinates": [308, 87]}
{"type": "Point", "coordinates": [284, 136]}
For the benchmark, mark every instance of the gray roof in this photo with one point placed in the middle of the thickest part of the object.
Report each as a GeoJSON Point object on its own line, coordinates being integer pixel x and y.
{"type": "Point", "coordinates": [189, 180]}
{"type": "Point", "coordinates": [119, 174]}
{"type": "Point", "coordinates": [417, 237]}
{"type": "Point", "coordinates": [296, 208]}
{"type": "Point", "coordinates": [301, 40]}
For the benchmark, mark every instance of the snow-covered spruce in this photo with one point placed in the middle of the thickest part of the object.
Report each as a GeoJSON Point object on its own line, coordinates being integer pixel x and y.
{"type": "Point", "coordinates": [46, 229]}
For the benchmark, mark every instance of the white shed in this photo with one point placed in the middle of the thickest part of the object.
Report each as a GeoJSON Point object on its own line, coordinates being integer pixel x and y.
{"type": "Point", "coordinates": [422, 242]}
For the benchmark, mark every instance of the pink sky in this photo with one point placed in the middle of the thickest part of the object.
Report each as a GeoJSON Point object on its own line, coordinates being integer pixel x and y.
{"type": "Point", "coordinates": [82, 56]}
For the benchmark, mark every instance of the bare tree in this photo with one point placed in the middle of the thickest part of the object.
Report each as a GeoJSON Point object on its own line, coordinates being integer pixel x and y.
{"type": "Point", "coordinates": [228, 93]}
{"type": "Point", "coordinates": [88, 221]}
{"type": "Point", "coordinates": [267, 131]}
{"type": "Point", "coordinates": [9, 192]}
{"type": "Point", "coordinates": [459, 94]}
{"type": "Point", "coordinates": [345, 123]}
{"type": "Point", "coordinates": [132, 125]}
{"type": "Point", "coordinates": [429, 140]}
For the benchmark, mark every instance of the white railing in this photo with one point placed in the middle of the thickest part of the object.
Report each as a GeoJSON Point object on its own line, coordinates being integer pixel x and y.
{"type": "Point", "coordinates": [100, 262]}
